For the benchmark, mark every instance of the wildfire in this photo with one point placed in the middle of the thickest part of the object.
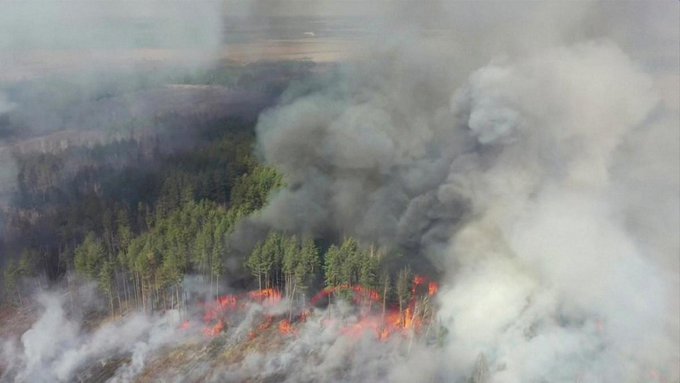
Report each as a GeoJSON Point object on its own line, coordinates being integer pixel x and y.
{"type": "Point", "coordinates": [266, 296]}
{"type": "Point", "coordinates": [392, 321]}
{"type": "Point", "coordinates": [223, 304]}
{"type": "Point", "coordinates": [360, 294]}
{"type": "Point", "coordinates": [384, 335]}
{"type": "Point", "coordinates": [303, 316]}
{"type": "Point", "coordinates": [214, 330]}
{"type": "Point", "coordinates": [214, 315]}
{"type": "Point", "coordinates": [432, 289]}
{"type": "Point", "coordinates": [286, 328]}
{"type": "Point", "coordinates": [365, 324]}
{"type": "Point", "coordinates": [227, 302]}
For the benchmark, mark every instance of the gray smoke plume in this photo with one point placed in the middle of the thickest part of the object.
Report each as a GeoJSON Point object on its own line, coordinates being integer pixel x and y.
{"type": "Point", "coordinates": [540, 174]}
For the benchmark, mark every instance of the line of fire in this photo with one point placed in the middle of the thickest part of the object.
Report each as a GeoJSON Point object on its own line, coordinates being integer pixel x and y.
{"type": "Point", "coordinates": [375, 316]}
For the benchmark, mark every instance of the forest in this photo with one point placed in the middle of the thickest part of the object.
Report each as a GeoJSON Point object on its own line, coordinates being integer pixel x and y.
{"type": "Point", "coordinates": [137, 214]}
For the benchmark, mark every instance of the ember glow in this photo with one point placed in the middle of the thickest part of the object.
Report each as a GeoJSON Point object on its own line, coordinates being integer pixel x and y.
{"type": "Point", "coordinates": [370, 319]}
{"type": "Point", "coordinates": [266, 296]}
{"type": "Point", "coordinates": [359, 294]}
{"type": "Point", "coordinates": [432, 288]}
{"type": "Point", "coordinates": [286, 327]}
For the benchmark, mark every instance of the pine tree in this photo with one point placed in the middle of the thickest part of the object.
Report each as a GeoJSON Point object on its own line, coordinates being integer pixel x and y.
{"type": "Point", "coordinates": [29, 263]}
{"type": "Point", "coordinates": [385, 282]}
{"type": "Point", "coordinates": [291, 260]}
{"type": "Point", "coordinates": [309, 264]}
{"type": "Point", "coordinates": [272, 259]}
{"type": "Point", "coordinates": [124, 231]}
{"type": "Point", "coordinates": [216, 264]}
{"type": "Point", "coordinates": [89, 256]}
{"type": "Point", "coordinates": [106, 281]}
{"type": "Point", "coordinates": [11, 277]}
{"type": "Point", "coordinates": [203, 248]}
{"type": "Point", "coordinates": [351, 262]}
{"type": "Point", "coordinates": [404, 289]}
{"type": "Point", "coordinates": [255, 264]}
{"type": "Point", "coordinates": [368, 274]}
{"type": "Point", "coordinates": [333, 266]}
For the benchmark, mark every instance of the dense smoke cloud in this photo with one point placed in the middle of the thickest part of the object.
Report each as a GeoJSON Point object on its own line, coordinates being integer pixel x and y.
{"type": "Point", "coordinates": [531, 180]}
{"type": "Point", "coordinates": [549, 247]}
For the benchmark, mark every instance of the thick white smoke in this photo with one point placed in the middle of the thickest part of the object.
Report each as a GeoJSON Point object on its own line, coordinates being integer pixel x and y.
{"type": "Point", "coordinates": [535, 184]}
{"type": "Point", "coordinates": [549, 282]}
{"type": "Point", "coordinates": [58, 349]}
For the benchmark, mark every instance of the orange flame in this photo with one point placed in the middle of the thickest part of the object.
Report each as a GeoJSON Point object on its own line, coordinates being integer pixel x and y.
{"type": "Point", "coordinates": [384, 334]}
{"type": "Point", "coordinates": [266, 296]}
{"type": "Point", "coordinates": [223, 304]}
{"type": "Point", "coordinates": [304, 315]}
{"type": "Point", "coordinates": [361, 294]}
{"type": "Point", "coordinates": [432, 289]}
{"type": "Point", "coordinates": [214, 330]}
{"type": "Point", "coordinates": [227, 302]}
{"type": "Point", "coordinates": [286, 328]}
{"type": "Point", "coordinates": [365, 324]}
{"type": "Point", "coordinates": [392, 322]}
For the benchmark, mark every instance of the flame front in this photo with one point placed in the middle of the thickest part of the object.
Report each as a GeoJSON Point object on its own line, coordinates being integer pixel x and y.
{"type": "Point", "coordinates": [286, 327]}
{"type": "Point", "coordinates": [432, 289]}
{"type": "Point", "coordinates": [383, 326]}
{"type": "Point", "coordinates": [266, 296]}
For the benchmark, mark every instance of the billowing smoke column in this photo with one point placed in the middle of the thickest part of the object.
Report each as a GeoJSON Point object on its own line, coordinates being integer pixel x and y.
{"type": "Point", "coordinates": [544, 185]}
{"type": "Point", "coordinates": [535, 165]}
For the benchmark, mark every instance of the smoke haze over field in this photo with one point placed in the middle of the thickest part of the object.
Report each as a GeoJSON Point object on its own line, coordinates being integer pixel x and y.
{"type": "Point", "coordinates": [104, 32]}
{"type": "Point", "coordinates": [529, 152]}
{"type": "Point", "coordinates": [55, 56]}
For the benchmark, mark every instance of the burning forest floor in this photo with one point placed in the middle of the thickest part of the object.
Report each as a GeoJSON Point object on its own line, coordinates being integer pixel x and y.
{"type": "Point", "coordinates": [251, 337]}
{"type": "Point", "coordinates": [257, 336]}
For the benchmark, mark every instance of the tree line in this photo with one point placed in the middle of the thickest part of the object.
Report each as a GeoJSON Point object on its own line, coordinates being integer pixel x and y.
{"type": "Point", "coordinates": [297, 267]}
{"type": "Point", "coordinates": [129, 216]}
{"type": "Point", "coordinates": [139, 230]}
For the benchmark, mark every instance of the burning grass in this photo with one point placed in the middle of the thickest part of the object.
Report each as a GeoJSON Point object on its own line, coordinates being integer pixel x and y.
{"type": "Point", "coordinates": [236, 329]}
{"type": "Point", "coordinates": [374, 315]}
